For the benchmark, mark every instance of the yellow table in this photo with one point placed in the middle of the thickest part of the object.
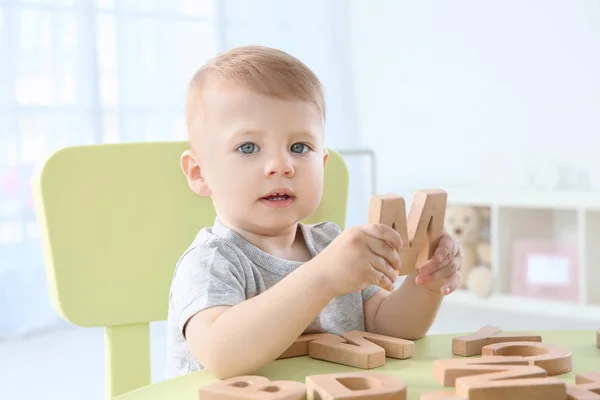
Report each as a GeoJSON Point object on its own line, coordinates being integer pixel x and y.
{"type": "Point", "coordinates": [415, 371]}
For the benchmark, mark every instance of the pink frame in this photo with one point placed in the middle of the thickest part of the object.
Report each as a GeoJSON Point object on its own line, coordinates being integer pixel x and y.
{"type": "Point", "coordinates": [525, 248]}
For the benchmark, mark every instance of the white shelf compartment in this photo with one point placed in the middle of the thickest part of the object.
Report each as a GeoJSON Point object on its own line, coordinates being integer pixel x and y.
{"type": "Point", "coordinates": [572, 217]}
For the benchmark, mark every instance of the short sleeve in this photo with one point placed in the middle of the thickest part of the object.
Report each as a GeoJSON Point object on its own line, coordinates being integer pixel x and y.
{"type": "Point", "coordinates": [319, 236]}
{"type": "Point", "coordinates": [369, 292]}
{"type": "Point", "coordinates": [206, 276]}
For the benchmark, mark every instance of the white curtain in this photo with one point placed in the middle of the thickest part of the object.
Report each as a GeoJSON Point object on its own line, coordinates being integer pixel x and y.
{"type": "Point", "coordinates": [78, 72]}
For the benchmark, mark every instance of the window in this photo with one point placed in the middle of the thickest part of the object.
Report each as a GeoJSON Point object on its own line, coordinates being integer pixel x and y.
{"type": "Point", "coordinates": [80, 72]}
{"type": "Point", "coordinates": [83, 72]}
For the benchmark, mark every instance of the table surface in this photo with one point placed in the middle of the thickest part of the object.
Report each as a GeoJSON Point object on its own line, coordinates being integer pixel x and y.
{"type": "Point", "coordinates": [416, 371]}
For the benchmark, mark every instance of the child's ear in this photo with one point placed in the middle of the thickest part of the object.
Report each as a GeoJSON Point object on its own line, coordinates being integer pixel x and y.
{"type": "Point", "coordinates": [193, 173]}
{"type": "Point", "coordinates": [325, 157]}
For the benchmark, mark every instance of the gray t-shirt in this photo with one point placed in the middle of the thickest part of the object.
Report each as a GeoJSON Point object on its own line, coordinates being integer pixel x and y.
{"type": "Point", "coordinates": [221, 268]}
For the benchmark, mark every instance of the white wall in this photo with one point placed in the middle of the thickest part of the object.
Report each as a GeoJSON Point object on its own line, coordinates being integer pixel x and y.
{"type": "Point", "coordinates": [446, 90]}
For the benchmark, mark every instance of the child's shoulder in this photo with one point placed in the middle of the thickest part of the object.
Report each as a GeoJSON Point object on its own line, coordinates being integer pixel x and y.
{"type": "Point", "coordinates": [326, 228]}
{"type": "Point", "coordinates": [208, 248]}
{"type": "Point", "coordinates": [321, 234]}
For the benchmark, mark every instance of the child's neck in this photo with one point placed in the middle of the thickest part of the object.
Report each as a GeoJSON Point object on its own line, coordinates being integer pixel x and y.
{"type": "Point", "coordinates": [288, 244]}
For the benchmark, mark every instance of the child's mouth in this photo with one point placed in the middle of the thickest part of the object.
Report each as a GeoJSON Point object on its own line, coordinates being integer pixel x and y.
{"type": "Point", "coordinates": [277, 197]}
{"type": "Point", "coordinates": [278, 200]}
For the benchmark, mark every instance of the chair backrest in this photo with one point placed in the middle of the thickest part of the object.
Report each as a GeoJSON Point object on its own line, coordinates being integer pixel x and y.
{"type": "Point", "coordinates": [114, 219]}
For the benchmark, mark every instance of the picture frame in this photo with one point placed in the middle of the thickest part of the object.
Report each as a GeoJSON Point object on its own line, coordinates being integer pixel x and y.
{"type": "Point", "coordinates": [546, 269]}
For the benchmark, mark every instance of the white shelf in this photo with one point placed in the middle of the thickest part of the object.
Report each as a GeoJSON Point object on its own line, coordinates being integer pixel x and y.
{"type": "Point", "coordinates": [527, 199]}
{"type": "Point", "coordinates": [526, 306]}
{"type": "Point", "coordinates": [567, 217]}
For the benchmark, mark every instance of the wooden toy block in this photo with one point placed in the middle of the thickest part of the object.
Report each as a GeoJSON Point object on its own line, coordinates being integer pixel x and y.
{"type": "Point", "coordinates": [394, 347]}
{"type": "Point", "coordinates": [447, 371]}
{"type": "Point", "coordinates": [498, 377]}
{"type": "Point", "coordinates": [366, 355]}
{"type": "Point", "coordinates": [503, 385]}
{"type": "Point", "coordinates": [586, 387]}
{"type": "Point", "coordinates": [250, 387]}
{"type": "Point", "coordinates": [555, 360]}
{"type": "Point", "coordinates": [390, 210]}
{"type": "Point", "coordinates": [354, 386]}
{"type": "Point", "coordinates": [471, 345]}
{"type": "Point", "coordinates": [360, 349]}
{"type": "Point", "coordinates": [420, 231]}
{"type": "Point", "coordinates": [300, 345]}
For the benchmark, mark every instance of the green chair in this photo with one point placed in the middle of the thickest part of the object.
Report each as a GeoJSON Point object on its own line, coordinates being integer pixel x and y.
{"type": "Point", "coordinates": [114, 219]}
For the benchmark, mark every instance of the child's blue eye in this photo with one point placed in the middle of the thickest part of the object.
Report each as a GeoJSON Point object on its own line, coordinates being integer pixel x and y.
{"type": "Point", "coordinates": [248, 148]}
{"type": "Point", "coordinates": [299, 148]}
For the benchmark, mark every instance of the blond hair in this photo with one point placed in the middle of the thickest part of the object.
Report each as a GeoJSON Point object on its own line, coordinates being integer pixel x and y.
{"type": "Point", "coordinates": [261, 69]}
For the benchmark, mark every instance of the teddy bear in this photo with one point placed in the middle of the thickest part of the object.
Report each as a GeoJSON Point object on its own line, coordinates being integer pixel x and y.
{"type": "Point", "coordinates": [465, 224]}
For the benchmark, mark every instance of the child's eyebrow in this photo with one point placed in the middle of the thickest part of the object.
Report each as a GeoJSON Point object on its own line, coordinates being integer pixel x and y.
{"type": "Point", "coordinates": [305, 134]}
{"type": "Point", "coordinates": [247, 132]}
{"type": "Point", "coordinates": [256, 132]}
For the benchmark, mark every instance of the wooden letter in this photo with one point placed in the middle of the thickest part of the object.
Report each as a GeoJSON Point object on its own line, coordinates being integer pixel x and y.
{"type": "Point", "coordinates": [447, 371]}
{"type": "Point", "coordinates": [554, 359]}
{"type": "Point", "coordinates": [354, 386]}
{"type": "Point", "coordinates": [336, 349]}
{"type": "Point", "coordinates": [394, 347]}
{"type": "Point", "coordinates": [587, 387]}
{"type": "Point", "coordinates": [252, 387]}
{"type": "Point", "coordinates": [360, 349]}
{"type": "Point", "coordinates": [498, 377]}
{"type": "Point", "coordinates": [300, 346]}
{"type": "Point", "coordinates": [421, 231]}
{"type": "Point", "coordinates": [471, 345]}
{"type": "Point", "coordinates": [509, 384]}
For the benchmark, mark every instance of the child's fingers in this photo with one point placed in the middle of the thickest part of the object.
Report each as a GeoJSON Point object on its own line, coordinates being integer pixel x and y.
{"type": "Point", "coordinates": [382, 280]}
{"type": "Point", "coordinates": [441, 274]}
{"type": "Point", "coordinates": [444, 254]}
{"type": "Point", "coordinates": [452, 284]}
{"type": "Point", "coordinates": [385, 233]}
{"type": "Point", "coordinates": [384, 250]}
{"type": "Point", "coordinates": [381, 265]}
{"type": "Point", "coordinates": [440, 253]}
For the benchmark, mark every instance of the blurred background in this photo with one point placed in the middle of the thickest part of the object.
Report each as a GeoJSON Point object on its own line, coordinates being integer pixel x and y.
{"type": "Point", "coordinates": [486, 97]}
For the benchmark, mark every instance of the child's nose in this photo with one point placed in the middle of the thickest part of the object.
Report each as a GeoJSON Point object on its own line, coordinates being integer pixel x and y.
{"type": "Point", "coordinates": [280, 166]}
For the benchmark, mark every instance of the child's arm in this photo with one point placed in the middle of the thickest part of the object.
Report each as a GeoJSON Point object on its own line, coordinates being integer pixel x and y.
{"type": "Point", "coordinates": [241, 339]}
{"type": "Point", "coordinates": [238, 340]}
{"type": "Point", "coordinates": [409, 311]}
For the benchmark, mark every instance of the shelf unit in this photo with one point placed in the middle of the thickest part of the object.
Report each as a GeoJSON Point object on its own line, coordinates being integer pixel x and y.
{"type": "Point", "coordinates": [571, 217]}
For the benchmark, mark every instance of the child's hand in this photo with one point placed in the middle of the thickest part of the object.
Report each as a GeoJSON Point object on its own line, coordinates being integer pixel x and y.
{"type": "Point", "coordinates": [441, 273]}
{"type": "Point", "coordinates": [362, 256]}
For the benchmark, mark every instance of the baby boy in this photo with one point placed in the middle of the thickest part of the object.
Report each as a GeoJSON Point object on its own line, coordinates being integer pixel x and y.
{"type": "Point", "coordinates": [251, 284]}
